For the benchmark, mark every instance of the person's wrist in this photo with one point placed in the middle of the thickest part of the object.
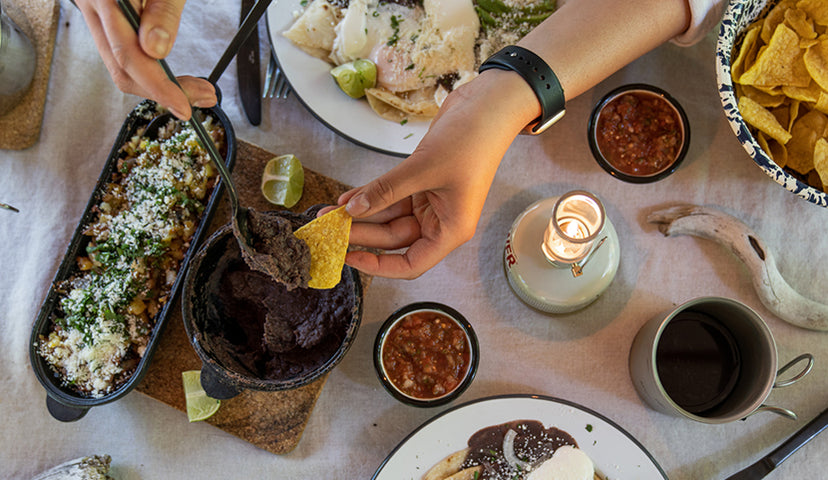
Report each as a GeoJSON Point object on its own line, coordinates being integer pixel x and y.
{"type": "Point", "coordinates": [538, 76]}
{"type": "Point", "coordinates": [511, 99]}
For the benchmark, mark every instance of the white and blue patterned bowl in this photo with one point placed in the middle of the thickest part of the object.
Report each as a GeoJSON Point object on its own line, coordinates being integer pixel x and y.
{"type": "Point", "coordinates": [738, 15]}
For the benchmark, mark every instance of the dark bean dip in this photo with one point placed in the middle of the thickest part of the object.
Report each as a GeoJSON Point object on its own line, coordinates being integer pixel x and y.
{"type": "Point", "coordinates": [257, 327]}
{"type": "Point", "coordinates": [276, 251]}
{"type": "Point", "coordinates": [533, 444]}
{"type": "Point", "coordinates": [639, 133]}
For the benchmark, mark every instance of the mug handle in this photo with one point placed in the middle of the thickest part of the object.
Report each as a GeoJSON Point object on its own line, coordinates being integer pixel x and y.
{"type": "Point", "coordinates": [784, 383]}
{"type": "Point", "coordinates": [777, 410]}
{"type": "Point", "coordinates": [808, 366]}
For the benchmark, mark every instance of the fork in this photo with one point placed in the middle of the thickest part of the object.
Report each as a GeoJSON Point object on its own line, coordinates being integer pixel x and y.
{"type": "Point", "coordinates": [276, 85]}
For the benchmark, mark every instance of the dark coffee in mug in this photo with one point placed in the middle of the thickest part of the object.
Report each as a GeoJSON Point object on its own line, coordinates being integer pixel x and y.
{"type": "Point", "coordinates": [698, 361]}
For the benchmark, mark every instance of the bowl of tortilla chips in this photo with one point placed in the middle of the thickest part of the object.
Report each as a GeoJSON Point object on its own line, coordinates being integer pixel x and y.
{"type": "Point", "coordinates": [772, 73]}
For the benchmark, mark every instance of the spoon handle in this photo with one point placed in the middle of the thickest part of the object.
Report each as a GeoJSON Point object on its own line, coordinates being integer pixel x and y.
{"type": "Point", "coordinates": [195, 120]}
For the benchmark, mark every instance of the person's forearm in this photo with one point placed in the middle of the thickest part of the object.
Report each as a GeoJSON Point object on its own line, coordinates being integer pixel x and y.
{"type": "Point", "coordinates": [585, 41]}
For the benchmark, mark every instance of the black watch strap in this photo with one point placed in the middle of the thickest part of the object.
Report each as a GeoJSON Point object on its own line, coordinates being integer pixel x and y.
{"type": "Point", "coordinates": [539, 76]}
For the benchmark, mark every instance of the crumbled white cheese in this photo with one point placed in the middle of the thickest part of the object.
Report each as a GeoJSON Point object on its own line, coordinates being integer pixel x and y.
{"type": "Point", "coordinates": [155, 204]}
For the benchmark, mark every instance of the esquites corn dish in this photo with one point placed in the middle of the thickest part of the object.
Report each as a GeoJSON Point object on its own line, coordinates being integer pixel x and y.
{"type": "Point", "coordinates": [143, 225]}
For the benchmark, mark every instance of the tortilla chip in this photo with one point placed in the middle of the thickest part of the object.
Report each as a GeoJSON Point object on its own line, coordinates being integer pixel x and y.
{"type": "Point", "coordinates": [781, 63]}
{"type": "Point", "coordinates": [777, 152]}
{"type": "Point", "coordinates": [762, 119]}
{"type": "Point", "coordinates": [805, 94]}
{"type": "Point", "coordinates": [816, 9]}
{"type": "Point", "coordinates": [805, 132]}
{"type": "Point", "coordinates": [327, 237]}
{"type": "Point", "coordinates": [799, 22]}
{"type": "Point", "coordinates": [816, 63]}
{"type": "Point", "coordinates": [747, 52]}
{"type": "Point", "coordinates": [447, 466]}
{"type": "Point", "coordinates": [793, 112]}
{"type": "Point", "coordinates": [471, 473]}
{"type": "Point", "coordinates": [822, 102]}
{"type": "Point", "coordinates": [762, 97]}
{"type": "Point", "coordinates": [774, 18]}
{"type": "Point", "coordinates": [821, 160]}
{"type": "Point", "coordinates": [414, 104]}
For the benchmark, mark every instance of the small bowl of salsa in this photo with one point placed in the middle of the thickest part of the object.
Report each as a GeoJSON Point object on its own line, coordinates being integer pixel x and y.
{"type": "Point", "coordinates": [639, 133]}
{"type": "Point", "coordinates": [426, 354]}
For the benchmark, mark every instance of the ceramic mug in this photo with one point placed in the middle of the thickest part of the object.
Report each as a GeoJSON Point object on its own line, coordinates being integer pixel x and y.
{"type": "Point", "coordinates": [711, 359]}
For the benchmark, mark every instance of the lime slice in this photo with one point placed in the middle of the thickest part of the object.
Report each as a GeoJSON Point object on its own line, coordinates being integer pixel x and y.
{"type": "Point", "coordinates": [283, 180]}
{"type": "Point", "coordinates": [199, 405]}
{"type": "Point", "coordinates": [354, 77]}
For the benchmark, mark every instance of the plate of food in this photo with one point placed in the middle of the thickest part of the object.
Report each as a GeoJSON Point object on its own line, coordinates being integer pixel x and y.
{"type": "Point", "coordinates": [418, 52]}
{"type": "Point", "coordinates": [519, 436]}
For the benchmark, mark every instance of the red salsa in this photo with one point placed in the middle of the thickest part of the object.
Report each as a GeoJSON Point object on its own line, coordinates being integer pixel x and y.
{"type": "Point", "coordinates": [426, 355]}
{"type": "Point", "coordinates": [639, 133]}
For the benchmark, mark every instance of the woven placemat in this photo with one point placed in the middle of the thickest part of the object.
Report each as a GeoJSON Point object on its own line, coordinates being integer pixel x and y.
{"type": "Point", "coordinates": [38, 19]}
{"type": "Point", "coordinates": [273, 421]}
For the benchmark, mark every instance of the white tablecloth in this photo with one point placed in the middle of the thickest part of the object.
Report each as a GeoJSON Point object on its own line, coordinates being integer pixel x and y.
{"type": "Point", "coordinates": [581, 357]}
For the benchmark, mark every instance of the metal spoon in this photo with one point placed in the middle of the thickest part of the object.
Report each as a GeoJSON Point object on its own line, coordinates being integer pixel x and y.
{"type": "Point", "coordinates": [240, 213]}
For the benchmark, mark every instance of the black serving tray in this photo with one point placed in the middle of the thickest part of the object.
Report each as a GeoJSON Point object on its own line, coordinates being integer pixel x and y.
{"type": "Point", "coordinates": [63, 403]}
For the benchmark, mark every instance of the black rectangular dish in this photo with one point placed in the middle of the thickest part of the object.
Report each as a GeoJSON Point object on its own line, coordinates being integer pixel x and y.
{"type": "Point", "coordinates": [114, 290]}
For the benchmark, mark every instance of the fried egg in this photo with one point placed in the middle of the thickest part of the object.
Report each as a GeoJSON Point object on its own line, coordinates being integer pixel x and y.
{"type": "Point", "coordinates": [411, 46]}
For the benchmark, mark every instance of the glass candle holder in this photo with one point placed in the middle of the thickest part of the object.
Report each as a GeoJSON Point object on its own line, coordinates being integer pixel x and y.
{"type": "Point", "coordinates": [577, 219]}
{"type": "Point", "coordinates": [548, 247]}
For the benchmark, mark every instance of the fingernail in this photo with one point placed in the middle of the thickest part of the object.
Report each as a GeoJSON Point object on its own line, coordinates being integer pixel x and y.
{"type": "Point", "coordinates": [179, 114]}
{"type": "Point", "coordinates": [205, 102]}
{"type": "Point", "coordinates": [357, 205]}
{"type": "Point", "coordinates": [159, 41]}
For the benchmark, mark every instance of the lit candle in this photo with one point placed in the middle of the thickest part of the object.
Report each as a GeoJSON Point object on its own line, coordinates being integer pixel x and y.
{"type": "Point", "coordinates": [559, 247]}
{"type": "Point", "coordinates": [575, 222]}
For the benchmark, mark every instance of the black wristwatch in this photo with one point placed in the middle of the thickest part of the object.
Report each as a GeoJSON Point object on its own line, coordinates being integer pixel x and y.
{"type": "Point", "coordinates": [539, 76]}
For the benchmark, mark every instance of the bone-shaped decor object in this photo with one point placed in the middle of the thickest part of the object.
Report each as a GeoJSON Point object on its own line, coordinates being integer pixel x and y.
{"type": "Point", "coordinates": [773, 290]}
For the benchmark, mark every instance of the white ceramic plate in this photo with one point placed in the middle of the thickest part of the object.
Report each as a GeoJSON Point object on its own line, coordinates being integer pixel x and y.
{"type": "Point", "coordinates": [613, 451]}
{"type": "Point", "coordinates": [311, 81]}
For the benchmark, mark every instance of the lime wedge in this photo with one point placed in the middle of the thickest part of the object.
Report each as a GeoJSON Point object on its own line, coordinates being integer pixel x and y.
{"type": "Point", "coordinates": [354, 77]}
{"type": "Point", "coordinates": [283, 180]}
{"type": "Point", "coordinates": [199, 405]}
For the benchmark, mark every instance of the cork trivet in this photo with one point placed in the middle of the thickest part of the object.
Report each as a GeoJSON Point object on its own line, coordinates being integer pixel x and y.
{"type": "Point", "coordinates": [38, 19]}
{"type": "Point", "coordinates": [273, 421]}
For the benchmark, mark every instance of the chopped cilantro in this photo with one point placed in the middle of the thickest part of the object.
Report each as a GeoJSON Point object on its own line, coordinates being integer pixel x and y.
{"type": "Point", "coordinates": [395, 36]}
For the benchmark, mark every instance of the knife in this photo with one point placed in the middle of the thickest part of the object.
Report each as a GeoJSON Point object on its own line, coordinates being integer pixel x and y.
{"type": "Point", "coordinates": [247, 65]}
{"type": "Point", "coordinates": [772, 460]}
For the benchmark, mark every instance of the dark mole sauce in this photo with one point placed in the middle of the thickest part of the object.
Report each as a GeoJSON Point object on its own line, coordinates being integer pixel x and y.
{"type": "Point", "coordinates": [533, 444]}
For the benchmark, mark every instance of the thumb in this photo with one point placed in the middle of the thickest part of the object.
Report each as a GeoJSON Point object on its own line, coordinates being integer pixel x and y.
{"type": "Point", "coordinates": [159, 26]}
{"type": "Point", "coordinates": [382, 193]}
{"type": "Point", "coordinates": [371, 197]}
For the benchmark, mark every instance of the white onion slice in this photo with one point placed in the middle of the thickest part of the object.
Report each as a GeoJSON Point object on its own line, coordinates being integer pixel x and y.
{"type": "Point", "coordinates": [509, 451]}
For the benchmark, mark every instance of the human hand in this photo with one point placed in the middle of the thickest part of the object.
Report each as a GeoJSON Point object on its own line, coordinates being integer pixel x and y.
{"type": "Point", "coordinates": [132, 59]}
{"type": "Point", "coordinates": [430, 203]}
